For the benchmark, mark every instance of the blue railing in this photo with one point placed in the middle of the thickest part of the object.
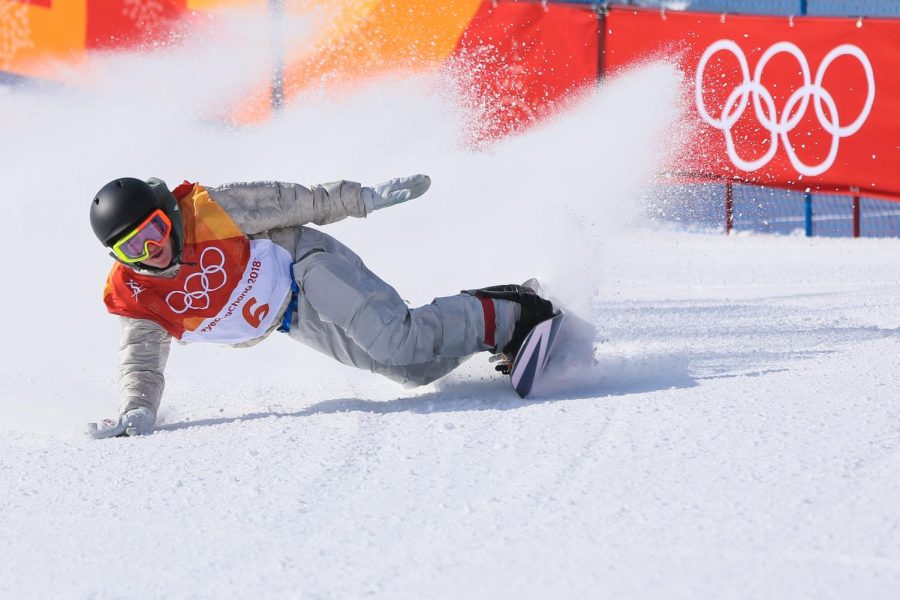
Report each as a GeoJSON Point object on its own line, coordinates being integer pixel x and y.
{"type": "Point", "coordinates": [837, 8]}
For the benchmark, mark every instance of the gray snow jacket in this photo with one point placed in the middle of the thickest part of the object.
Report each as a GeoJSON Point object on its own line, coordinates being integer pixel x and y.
{"type": "Point", "coordinates": [271, 210]}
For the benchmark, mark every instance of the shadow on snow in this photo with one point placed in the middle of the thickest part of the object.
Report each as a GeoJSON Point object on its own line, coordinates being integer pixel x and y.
{"type": "Point", "coordinates": [687, 348]}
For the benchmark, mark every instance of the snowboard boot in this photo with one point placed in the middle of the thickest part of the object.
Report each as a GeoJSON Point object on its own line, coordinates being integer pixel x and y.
{"type": "Point", "coordinates": [534, 309]}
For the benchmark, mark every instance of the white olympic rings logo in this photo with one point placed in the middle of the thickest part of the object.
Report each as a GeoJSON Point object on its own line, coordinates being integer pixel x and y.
{"type": "Point", "coordinates": [794, 109]}
{"type": "Point", "coordinates": [211, 277]}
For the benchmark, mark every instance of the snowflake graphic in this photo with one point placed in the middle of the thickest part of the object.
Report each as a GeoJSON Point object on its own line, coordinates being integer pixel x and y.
{"type": "Point", "coordinates": [146, 14]}
{"type": "Point", "coordinates": [15, 30]}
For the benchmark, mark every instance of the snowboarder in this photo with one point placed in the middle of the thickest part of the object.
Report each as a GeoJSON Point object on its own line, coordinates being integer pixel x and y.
{"type": "Point", "coordinates": [231, 264]}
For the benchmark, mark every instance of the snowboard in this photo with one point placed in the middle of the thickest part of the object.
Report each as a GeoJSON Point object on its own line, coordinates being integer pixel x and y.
{"type": "Point", "coordinates": [528, 365]}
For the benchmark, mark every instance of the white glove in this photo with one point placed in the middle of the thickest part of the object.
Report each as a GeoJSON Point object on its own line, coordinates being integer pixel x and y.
{"type": "Point", "coordinates": [137, 421]}
{"type": "Point", "coordinates": [395, 191]}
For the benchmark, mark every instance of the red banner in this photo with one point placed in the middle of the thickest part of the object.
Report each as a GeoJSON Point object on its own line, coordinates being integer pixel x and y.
{"type": "Point", "coordinates": [523, 59]}
{"type": "Point", "coordinates": [791, 102]}
{"type": "Point", "coordinates": [114, 24]}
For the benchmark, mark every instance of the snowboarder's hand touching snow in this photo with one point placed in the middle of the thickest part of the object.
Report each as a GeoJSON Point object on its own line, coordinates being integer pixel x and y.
{"type": "Point", "coordinates": [138, 421]}
{"type": "Point", "coordinates": [396, 191]}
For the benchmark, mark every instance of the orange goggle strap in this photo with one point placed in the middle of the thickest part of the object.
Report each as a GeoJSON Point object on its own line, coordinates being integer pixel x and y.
{"type": "Point", "coordinates": [126, 258]}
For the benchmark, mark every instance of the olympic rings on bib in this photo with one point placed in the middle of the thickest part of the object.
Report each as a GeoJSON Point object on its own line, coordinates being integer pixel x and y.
{"type": "Point", "coordinates": [197, 286]}
{"type": "Point", "coordinates": [780, 126]}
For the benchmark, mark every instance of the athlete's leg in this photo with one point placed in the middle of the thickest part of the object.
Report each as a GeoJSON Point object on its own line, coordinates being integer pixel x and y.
{"type": "Point", "coordinates": [346, 311]}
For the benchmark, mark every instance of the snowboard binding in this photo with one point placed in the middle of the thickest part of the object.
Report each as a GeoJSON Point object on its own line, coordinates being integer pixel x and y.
{"type": "Point", "coordinates": [505, 363]}
{"type": "Point", "coordinates": [534, 309]}
{"type": "Point", "coordinates": [528, 352]}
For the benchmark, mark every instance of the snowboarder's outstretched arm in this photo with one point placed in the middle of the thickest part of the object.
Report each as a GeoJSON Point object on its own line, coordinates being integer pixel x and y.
{"type": "Point", "coordinates": [143, 352]}
{"type": "Point", "coordinates": [261, 206]}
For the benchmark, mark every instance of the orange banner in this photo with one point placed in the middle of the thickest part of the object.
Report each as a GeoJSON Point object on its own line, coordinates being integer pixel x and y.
{"type": "Point", "coordinates": [33, 32]}
{"type": "Point", "coordinates": [518, 60]}
{"type": "Point", "coordinates": [368, 38]}
{"type": "Point", "coordinates": [790, 102]}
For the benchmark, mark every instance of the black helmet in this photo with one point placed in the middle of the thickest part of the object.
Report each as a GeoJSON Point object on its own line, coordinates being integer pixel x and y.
{"type": "Point", "coordinates": [122, 204]}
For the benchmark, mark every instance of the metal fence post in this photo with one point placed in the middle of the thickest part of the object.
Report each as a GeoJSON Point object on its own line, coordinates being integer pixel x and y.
{"type": "Point", "coordinates": [729, 207]}
{"type": "Point", "coordinates": [808, 213]}
{"type": "Point", "coordinates": [856, 214]}
{"type": "Point", "coordinates": [276, 18]}
{"type": "Point", "coordinates": [601, 10]}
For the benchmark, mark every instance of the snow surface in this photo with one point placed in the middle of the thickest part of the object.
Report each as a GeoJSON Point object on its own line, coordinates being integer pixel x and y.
{"type": "Point", "coordinates": [729, 429]}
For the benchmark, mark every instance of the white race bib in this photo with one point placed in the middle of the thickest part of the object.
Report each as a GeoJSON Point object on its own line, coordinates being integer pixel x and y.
{"type": "Point", "coordinates": [255, 301]}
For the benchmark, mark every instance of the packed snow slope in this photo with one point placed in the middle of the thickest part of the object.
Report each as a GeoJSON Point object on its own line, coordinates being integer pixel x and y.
{"type": "Point", "coordinates": [725, 422]}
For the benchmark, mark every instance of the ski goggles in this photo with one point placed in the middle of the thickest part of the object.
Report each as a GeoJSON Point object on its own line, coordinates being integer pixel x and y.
{"type": "Point", "coordinates": [135, 246]}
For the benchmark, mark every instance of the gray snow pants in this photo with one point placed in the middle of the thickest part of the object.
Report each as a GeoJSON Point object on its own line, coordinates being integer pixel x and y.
{"type": "Point", "coordinates": [347, 312]}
